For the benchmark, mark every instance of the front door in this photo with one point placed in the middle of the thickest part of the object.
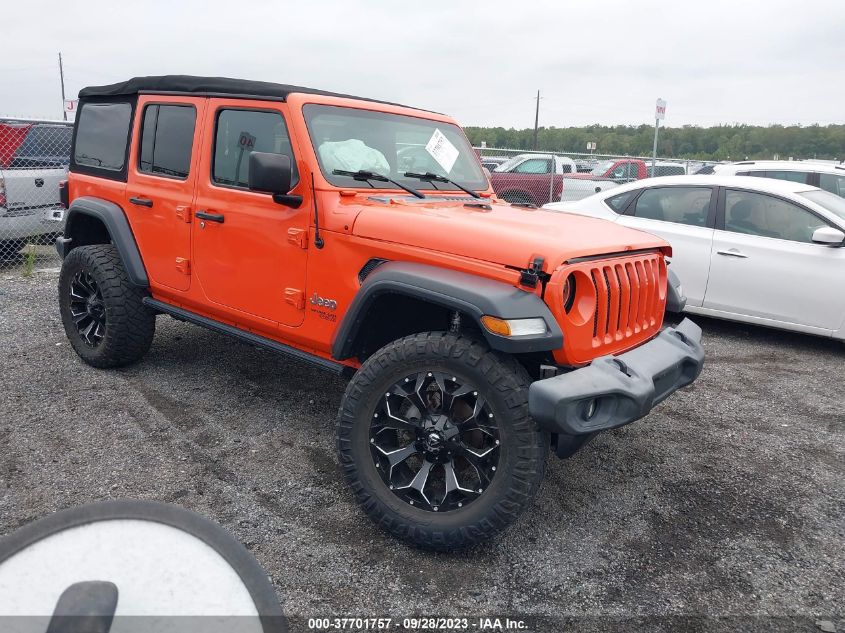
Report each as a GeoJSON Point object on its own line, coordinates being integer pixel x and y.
{"type": "Point", "coordinates": [160, 185]}
{"type": "Point", "coordinates": [683, 217]}
{"type": "Point", "coordinates": [766, 265]}
{"type": "Point", "coordinates": [251, 255]}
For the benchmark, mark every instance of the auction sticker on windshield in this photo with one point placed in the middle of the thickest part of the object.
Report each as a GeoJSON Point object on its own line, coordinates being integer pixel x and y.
{"type": "Point", "coordinates": [442, 150]}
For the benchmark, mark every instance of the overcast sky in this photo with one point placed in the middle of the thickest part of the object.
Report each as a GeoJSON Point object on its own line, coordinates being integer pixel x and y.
{"type": "Point", "coordinates": [605, 61]}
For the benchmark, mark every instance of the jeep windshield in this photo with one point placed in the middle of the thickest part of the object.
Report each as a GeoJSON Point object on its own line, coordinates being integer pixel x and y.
{"type": "Point", "coordinates": [352, 140]}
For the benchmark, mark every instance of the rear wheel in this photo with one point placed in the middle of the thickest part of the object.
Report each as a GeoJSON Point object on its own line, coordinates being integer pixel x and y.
{"type": "Point", "coordinates": [435, 439]}
{"type": "Point", "coordinates": [102, 312]}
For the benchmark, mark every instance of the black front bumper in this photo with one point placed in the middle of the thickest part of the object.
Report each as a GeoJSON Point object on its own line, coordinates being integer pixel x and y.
{"type": "Point", "coordinates": [615, 390]}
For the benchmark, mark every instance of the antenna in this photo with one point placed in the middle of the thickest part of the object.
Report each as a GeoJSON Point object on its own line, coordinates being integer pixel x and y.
{"type": "Point", "coordinates": [318, 241]}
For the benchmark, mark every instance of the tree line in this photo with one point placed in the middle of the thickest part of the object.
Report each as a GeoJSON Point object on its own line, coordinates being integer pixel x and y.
{"type": "Point", "coordinates": [724, 142]}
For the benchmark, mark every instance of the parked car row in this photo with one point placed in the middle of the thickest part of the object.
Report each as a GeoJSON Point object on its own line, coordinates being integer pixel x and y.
{"type": "Point", "coordinates": [759, 250]}
{"type": "Point", "coordinates": [538, 179]}
{"type": "Point", "coordinates": [34, 157]}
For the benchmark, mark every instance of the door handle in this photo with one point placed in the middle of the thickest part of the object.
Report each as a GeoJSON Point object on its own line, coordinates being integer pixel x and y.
{"type": "Point", "coordinates": [732, 253]}
{"type": "Point", "coordinates": [141, 202]}
{"type": "Point", "coordinates": [211, 217]}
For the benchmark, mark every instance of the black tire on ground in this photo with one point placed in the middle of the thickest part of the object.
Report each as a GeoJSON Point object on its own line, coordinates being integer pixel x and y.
{"type": "Point", "coordinates": [128, 326]}
{"type": "Point", "coordinates": [521, 452]}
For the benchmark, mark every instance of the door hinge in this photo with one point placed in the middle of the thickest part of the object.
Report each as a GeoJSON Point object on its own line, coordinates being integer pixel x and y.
{"type": "Point", "coordinates": [183, 265]}
{"type": "Point", "coordinates": [298, 237]}
{"type": "Point", "coordinates": [183, 213]}
{"type": "Point", "coordinates": [295, 297]}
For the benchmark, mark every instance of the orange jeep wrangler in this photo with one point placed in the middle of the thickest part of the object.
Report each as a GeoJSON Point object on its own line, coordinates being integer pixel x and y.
{"type": "Point", "coordinates": [363, 237]}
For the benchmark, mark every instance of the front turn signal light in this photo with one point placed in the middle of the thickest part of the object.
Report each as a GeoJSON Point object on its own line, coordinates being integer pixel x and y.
{"type": "Point", "coordinates": [514, 327]}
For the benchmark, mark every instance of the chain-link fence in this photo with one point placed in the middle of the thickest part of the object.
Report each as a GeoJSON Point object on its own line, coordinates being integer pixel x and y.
{"type": "Point", "coordinates": [541, 177]}
{"type": "Point", "coordinates": [34, 157]}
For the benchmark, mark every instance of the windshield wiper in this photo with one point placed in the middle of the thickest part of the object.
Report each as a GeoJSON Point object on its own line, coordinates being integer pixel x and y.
{"type": "Point", "coordinates": [366, 176]}
{"type": "Point", "coordinates": [436, 178]}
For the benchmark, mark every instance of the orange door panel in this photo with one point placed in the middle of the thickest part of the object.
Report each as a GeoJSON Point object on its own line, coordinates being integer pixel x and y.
{"type": "Point", "coordinates": [163, 166]}
{"type": "Point", "coordinates": [248, 254]}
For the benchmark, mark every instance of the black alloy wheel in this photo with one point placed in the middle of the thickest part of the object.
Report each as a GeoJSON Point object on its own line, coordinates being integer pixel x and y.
{"type": "Point", "coordinates": [87, 308]}
{"type": "Point", "coordinates": [435, 441]}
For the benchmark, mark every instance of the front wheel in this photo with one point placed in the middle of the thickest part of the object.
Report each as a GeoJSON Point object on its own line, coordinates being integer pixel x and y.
{"type": "Point", "coordinates": [435, 440]}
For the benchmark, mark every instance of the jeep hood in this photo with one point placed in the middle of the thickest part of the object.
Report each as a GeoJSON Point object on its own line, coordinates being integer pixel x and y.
{"type": "Point", "coordinates": [501, 234]}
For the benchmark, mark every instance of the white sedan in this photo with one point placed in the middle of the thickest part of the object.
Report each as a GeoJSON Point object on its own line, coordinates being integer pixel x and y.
{"type": "Point", "coordinates": [761, 251]}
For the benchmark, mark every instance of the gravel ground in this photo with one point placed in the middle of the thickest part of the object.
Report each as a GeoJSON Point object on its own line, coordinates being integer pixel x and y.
{"type": "Point", "coordinates": [723, 510]}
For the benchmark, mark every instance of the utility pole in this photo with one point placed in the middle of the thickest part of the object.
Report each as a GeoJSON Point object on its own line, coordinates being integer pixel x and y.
{"type": "Point", "coordinates": [536, 120]}
{"type": "Point", "coordinates": [659, 113]}
{"type": "Point", "coordinates": [62, 79]}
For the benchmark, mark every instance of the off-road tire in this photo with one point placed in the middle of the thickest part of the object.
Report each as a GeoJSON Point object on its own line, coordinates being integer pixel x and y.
{"type": "Point", "coordinates": [129, 324]}
{"type": "Point", "coordinates": [524, 448]}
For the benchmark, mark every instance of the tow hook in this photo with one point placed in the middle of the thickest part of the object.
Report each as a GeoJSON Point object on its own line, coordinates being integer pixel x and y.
{"type": "Point", "coordinates": [531, 275]}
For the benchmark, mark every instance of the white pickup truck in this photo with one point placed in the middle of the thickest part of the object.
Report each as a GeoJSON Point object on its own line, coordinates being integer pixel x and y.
{"type": "Point", "coordinates": [34, 157]}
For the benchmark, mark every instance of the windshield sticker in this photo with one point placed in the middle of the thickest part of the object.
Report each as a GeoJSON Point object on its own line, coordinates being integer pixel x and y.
{"type": "Point", "coordinates": [442, 150]}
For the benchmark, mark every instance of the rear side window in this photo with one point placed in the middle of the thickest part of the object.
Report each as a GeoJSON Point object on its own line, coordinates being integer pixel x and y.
{"type": "Point", "coordinates": [241, 132]}
{"type": "Point", "coordinates": [681, 205]}
{"type": "Point", "coordinates": [620, 201]}
{"type": "Point", "coordinates": [833, 184]}
{"type": "Point", "coordinates": [792, 176]}
{"type": "Point", "coordinates": [534, 166]}
{"type": "Point", "coordinates": [102, 134]}
{"type": "Point", "coordinates": [167, 136]}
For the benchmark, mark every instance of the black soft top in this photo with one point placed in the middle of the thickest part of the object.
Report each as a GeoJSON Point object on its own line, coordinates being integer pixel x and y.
{"type": "Point", "coordinates": [208, 86]}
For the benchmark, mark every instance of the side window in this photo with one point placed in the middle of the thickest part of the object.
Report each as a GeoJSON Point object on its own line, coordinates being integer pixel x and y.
{"type": "Point", "coordinates": [241, 132]}
{"type": "Point", "coordinates": [792, 176]}
{"type": "Point", "coordinates": [42, 147]}
{"type": "Point", "coordinates": [833, 184]}
{"type": "Point", "coordinates": [620, 201]}
{"type": "Point", "coordinates": [682, 205]}
{"type": "Point", "coordinates": [534, 166]}
{"type": "Point", "coordinates": [759, 214]}
{"type": "Point", "coordinates": [167, 136]}
{"type": "Point", "coordinates": [101, 135]}
{"type": "Point", "coordinates": [621, 171]}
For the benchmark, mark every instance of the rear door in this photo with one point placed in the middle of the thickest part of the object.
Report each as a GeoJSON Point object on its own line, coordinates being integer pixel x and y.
{"type": "Point", "coordinates": [684, 217]}
{"type": "Point", "coordinates": [765, 264]}
{"type": "Point", "coordinates": [162, 174]}
{"type": "Point", "coordinates": [251, 258]}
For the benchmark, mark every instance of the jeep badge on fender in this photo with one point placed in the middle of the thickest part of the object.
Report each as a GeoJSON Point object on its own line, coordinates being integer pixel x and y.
{"type": "Point", "coordinates": [477, 334]}
{"type": "Point", "coordinates": [317, 300]}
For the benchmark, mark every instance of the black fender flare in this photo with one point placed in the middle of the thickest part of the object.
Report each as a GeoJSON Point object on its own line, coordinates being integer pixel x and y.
{"type": "Point", "coordinates": [676, 301]}
{"type": "Point", "coordinates": [114, 219]}
{"type": "Point", "coordinates": [470, 294]}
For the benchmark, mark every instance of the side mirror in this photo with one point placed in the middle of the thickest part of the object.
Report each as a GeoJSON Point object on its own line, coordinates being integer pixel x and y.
{"type": "Point", "coordinates": [828, 235]}
{"type": "Point", "coordinates": [272, 173]}
{"type": "Point", "coordinates": [269, 173]}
